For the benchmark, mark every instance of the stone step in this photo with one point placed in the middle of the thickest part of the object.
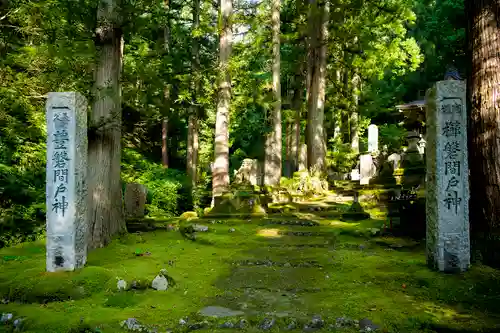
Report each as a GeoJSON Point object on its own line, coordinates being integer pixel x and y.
{"type": "Point", "coordinates": [296, 222]}
{"type": "Point", "coordinates": [300, 245]}
{"type": "Point", "coordinates": [282, 278]}
{"type": "Point", "coordinates": [271, 263]}
{"type": "Point", "coordinates": [307, 233]}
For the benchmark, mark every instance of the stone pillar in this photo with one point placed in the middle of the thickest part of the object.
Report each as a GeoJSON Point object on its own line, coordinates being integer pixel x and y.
{"type": "Point", "coordinates": [372, 138]}
{"type": "Point", "coordinates": [303, 157]}
{"type": "Point", "coordinates": [66, 190]}
{"type": "Point", "coordinates": [447, 204]}
{"type": "Point", "coordinates": [135, 200]}
{"type": "Point", "coordinates": [366, 169]}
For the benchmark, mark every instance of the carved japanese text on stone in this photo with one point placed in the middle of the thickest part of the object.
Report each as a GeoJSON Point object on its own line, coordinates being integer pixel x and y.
{"type": "Point", "coordinates": [66, 189]}
{"type": "Point", "coordinates": [448, 245]}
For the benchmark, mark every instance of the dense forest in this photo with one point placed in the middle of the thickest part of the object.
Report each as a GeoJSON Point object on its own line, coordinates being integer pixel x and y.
{"type": "Point", "coordinates": [189, 83]}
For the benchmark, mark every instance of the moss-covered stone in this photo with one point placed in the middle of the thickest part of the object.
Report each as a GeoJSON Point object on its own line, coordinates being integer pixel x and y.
{"type": "Point", "coordinates": [355, 213]}
{"type": "Point", "coordinates": [189, 215]}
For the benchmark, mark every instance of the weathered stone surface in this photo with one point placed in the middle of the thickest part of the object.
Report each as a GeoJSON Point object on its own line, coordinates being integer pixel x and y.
{"type": "Point", "coordinates": [367, 169]}
{"type": "Point", "coordinates": [372, 138]}
{"type": "Point", "coordinates": [121, 285]}
{"type": "Point", "coordinates": [248, 172]}
{"type": "Point", "coordinates": [447, 204]}
{"type": "Point", "coordinates": [395, 160]}
{"type": "Point", "coordinates": [303, 157]}
{"type": "Point", "coordinates": [66, 188]}
{"type": "Point", "coordinates": [135, 200]}
{"type": "Point", "coordinates": [160, 283]}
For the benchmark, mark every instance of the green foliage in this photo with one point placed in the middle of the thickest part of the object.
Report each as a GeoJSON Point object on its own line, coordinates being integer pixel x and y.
{"type": "Point", "coordinates": [208, 271]}
{"type": "Point", "coordinates": [342, 159]}
{"type": "Point", "coordinates": [169, 196]}
{"type": "Point", "coordinates": [392, 136]}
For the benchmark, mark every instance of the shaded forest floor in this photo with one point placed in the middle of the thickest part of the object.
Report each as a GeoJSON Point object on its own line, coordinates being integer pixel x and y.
{"type": "Point", "coordinates": [288, 268]}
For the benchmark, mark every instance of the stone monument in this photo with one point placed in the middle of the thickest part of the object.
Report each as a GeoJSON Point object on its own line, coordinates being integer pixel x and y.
{"type": "Point", "coordinates": [303, 157]}
{"type": "Point", "coordinates": [367, 169]}
{"type": "Point", "coordinates": [372, 138]}
{"type": "Point", "coordinates": [66, 190]}
{"type": "Point", "coordinates": [248, 172]}
{"type": "Point", "coordinates": [447, 203]}
{"type": "Point", "coordinates": [135, 200]}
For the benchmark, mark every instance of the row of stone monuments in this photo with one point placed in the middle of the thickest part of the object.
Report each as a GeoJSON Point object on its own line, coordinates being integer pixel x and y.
{"type": "Point", "coordinates": [66, 187]}
{"type": "Point", "coordinates": [447, 184]}
{"type": "Point", "coordinates": [448, 245]}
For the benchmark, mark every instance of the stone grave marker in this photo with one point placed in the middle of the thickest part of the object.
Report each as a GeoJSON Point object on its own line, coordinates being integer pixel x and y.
{"type": "Point", "coordinates": [372, 138]}
{"type": "Point", "coordinates": [135, 200]}
{"type": "Point", "coordinates": [66, 188]}
{"type": "Point", "coordinates": [303, 157]}
{"type": "Point", "coordinates": [367, 169]}
{"type": "Point", "coordinates": [248, 172]}
{"type": "Point", "coordinates": [447, 203]}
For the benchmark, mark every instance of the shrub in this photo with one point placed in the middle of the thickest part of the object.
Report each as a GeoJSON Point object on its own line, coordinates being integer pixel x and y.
{"type": "Point", "coordinates": [168, 189]}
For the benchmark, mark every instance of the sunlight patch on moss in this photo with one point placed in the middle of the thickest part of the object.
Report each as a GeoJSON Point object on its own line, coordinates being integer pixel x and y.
{"type": "Point", "coordinates": [269, 233]}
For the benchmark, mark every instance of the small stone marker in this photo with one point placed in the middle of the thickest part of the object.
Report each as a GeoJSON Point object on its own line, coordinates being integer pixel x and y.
{"type": "Point", "coordinates": [135, 200]}
{"type": "Point", "coordinates": [159, 283]}
{"type": "Point", "coordinates": [303, 157]}
{"type": "Point", "coordinates": [248, 172]}
{"type": "Point", "coordinates": [367, 169]}
{"type": "Point", "coordinates": [372, 138]}
{"type": "Point", "coordinates": [447, 204]}
{"type": "Point", "coordinates": [66, 189]}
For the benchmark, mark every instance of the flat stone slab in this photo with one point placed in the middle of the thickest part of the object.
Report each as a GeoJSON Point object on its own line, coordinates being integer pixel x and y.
{"type": "Point", "coordinates": [271, 263]}
{"type": "Point", "coordinates": [301, 245]}
{"type": "Point", "coordinates": [305, 223]}
{"type": "Point", "coordinates": [306, 233]}
{"type": "Point", "coordinates": [220, 312]}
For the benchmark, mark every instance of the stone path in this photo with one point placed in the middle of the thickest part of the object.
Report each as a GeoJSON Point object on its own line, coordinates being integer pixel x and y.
{"type": "Point", "coordinates": [285, 263]}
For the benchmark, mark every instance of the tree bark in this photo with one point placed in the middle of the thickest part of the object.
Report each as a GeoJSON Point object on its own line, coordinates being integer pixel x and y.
{"type": "Point", "coordinates": [355, 114]}
{"type": "Point", "coordinates": [297, 105]}
{"type": "Point", "coordinates": [192, 156]}
{"type": "Point", "coordinates": [288, 149]}
{"type": "Point", "coordinates": [166, 91]}
{"type": "Point", "coordinates": [220, 172]}
{"type": "Point", "coordinates": [484, 128]}
{"type": "Point", "coordinates": [105, 188]}
{"type": "Point", "coordinates": [318, 40]}
{"type": "Point", "coordinates": [273, 163]}
{"type": "Point", "coordinates": [164, 142]}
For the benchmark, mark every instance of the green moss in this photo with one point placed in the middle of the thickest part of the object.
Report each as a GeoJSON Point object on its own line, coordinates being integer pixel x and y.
{"type": "Point", "coordinates": [189, 215]}
{"type": "Point", "coordinates": [350, 274]}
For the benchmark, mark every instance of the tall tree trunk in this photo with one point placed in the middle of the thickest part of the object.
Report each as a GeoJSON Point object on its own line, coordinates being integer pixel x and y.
{"type": "Point", "coordinates": [164, 142]}
{"type": "Point", "coordinates": [166, 91]}
{"type": "Point", "coordinates": [288, 148]}
{"type": "Point", "coordinates": [220, 172]}
{"type": "Point", "coordinates": [354, 114]}
{"type": "Point", "coordinates": [484, 132]}
{"type": "Point", "coordinates": [318, 20]}
{"type": "Point", "coordinates": [105, 188]}
{"type": "Point", "coordinates": [272, 165]}
{"type": "Point", "coordinates": [297, 104]}
{"type": "Point", "coordinates": [192, 156]}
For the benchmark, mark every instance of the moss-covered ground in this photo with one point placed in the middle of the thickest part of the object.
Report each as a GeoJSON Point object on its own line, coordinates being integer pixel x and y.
{"type": "Point", "coordinates": [262, 267]}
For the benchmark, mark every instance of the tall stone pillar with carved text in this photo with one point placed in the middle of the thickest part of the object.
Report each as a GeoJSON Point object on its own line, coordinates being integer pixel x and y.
{"type": "Point", "coordinates": [447, 203]}
{"type": "Point", "coordinates": [66, 190]}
